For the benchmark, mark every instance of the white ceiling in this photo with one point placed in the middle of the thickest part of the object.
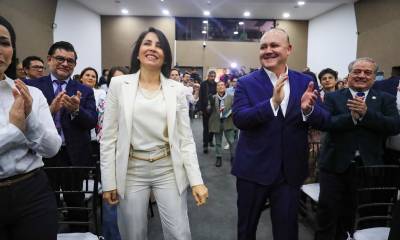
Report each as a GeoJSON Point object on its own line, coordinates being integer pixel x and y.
{"type": "Point", "coordinates": [263, 9]}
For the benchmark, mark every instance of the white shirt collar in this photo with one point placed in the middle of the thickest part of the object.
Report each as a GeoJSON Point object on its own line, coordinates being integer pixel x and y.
{"type": "Point", "coordinates": [353, 93]}
{"type": "Point", "coordinates": [53, 78]}
{"type": "Point", "coordinates": [272, 75]}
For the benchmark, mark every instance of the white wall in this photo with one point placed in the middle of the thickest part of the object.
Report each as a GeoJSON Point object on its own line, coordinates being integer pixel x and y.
{"type": "Point", "coordinates": [332, 40]}
{"type": "Point", "coordinates": [81, 27]}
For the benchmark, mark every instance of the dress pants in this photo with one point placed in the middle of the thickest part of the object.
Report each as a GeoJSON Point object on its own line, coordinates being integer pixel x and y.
{"type": "Point", "coordinates": [395, 224]}
{"type": "Point", "coordinates": [336, 205]}
{"type": "Point", "coordinates": [207, 136]}
{"type": "Point", "coordinates": [28, 210]}
{"type": "Point", "coordinates": [230, 138]}
{"type": "Point", "coordinates": [158, 176]}
{"type": "Point", "coordinates": [284, 201]}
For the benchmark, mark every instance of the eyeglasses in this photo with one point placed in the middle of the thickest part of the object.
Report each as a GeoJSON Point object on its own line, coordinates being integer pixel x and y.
{"type": "Point", "coordinates": [60, 60]}
{"type": "Point", "coordinates": [357, 72]}
{"type": "Point", "coordinates": [37, 68]}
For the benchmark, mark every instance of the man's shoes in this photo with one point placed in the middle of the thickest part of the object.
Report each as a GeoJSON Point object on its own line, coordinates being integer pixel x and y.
{"type": "Point", "coordinates": [218, 163]}
{"type": "Point", "coordinates": [205, 150]}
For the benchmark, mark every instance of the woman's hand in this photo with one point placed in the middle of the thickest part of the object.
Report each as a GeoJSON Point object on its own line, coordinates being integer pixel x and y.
{"type": "Point", "coordinates": [111, 197]}
{"type": "Point", "coordinates": [200, 194]}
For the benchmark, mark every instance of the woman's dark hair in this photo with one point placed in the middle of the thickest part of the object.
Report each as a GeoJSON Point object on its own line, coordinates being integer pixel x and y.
{"type": "Point", "coordinates": [164, 45]}
{"type": "Point", "coordinates": [328, 70]}
{"type": "Point", "coordinates": [11, 71]}
{"type": "Point", "coordinates": [87, 69]}
{"type": "Point", "coordinates": [112, 71]}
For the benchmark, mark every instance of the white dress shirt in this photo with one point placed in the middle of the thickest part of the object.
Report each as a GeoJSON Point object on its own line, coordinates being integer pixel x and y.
{"type": "Point", "coordinates": [22, 152]}
{"type": "Point", "coordinates": [286, 89]}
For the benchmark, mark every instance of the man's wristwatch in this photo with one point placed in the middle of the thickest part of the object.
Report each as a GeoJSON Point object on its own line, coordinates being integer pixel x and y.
{"type": "Point", "coordinates": [75, 113]}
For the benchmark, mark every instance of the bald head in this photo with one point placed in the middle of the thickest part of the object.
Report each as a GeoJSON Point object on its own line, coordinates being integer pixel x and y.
{"type": "Point", "coordinates": [276, 31]}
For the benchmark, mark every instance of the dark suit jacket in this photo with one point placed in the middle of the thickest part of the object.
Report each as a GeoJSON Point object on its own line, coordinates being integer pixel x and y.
{"type": "Point", "coordinates": [269, 146]}
{"type": "Point", "coordinates": [344, 137]}
{"type": "Point", "coordinates": [207, 90]}
{"type": "Point", "coordinates": [76, 131]}
{"type": "Point", "coordinates": [388, 85]}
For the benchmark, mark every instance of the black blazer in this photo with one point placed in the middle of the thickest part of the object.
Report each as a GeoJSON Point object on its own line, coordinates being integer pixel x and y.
{"type": "Point", "coordinates": [388, 85]}
{"type": "Point", "coordinates": [76, 131]}
{"type": "Point", "coordinates": [344, 137]}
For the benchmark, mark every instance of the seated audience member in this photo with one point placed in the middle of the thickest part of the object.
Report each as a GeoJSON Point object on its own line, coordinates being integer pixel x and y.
{"type": "Point", "coordinates": [327, 77]}
{"type": "Point", "coordinates": [232, 86]}
{"type": "Point", "coordinates": [361, 118]}
{"type": "Point", "coordinates": [221, 122]}
{"type": "Point", "coordinates": [33, 67]}
{"type": "Point", "coordinates": [74, 113]}
{"type": "Point", "coordinates": [174, 75]}
{"type": "Point", "coordinates": [392, 149]}
{"type": "Point", "coordinates": [28, 208]}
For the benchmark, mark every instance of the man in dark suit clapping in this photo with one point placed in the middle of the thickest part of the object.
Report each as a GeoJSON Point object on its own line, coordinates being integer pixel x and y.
{"type": "Point", "coordinates": [74, 113]}
{"type": "Point", "coordinates": [361, 119]}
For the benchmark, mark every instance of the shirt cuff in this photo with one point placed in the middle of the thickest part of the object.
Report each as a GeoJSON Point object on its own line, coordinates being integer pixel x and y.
{"type": "Point", "coordinates": [275, 111]}
{"type": "Point", "coordinates": [305, 117]}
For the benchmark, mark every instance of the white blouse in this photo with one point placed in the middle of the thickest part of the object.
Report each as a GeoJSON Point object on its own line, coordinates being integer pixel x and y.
{"type": "Point", "coordinates": [149, 127]}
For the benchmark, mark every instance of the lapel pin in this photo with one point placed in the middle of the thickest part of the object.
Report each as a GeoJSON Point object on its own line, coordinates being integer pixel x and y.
{"type": "Point", "coordinates": [373, 97]}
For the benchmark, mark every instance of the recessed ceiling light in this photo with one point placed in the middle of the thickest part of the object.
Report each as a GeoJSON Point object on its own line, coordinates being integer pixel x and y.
{"type": "Point", "coordinates": [246, 14]}
{"type": "Point", "coordinates": [206, 13]}
{"type": "Point", "coordinates": [162, 0]}
{"type": "Point", "coordinates": [286, 15]}
{"type": "Point", "coordinates": [233, 65]}
{"type": "Point", "coordinates": [205, 21]}
{"type": "Point", "coordinates": [124, 11]}
{"type": "Point", "coordinates": [301, 3]}
{"type": "Point", "coordinates": [165, 12]}
{"type": "Point", "coordinates": [241, 23]}
{"type": "Point", "coordinates": [236, 32]}
{"type": "Point", "coordinates": [204, 32]}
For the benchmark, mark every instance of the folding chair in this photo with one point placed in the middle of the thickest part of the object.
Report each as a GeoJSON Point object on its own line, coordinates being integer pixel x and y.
{"type": "Point", "coordinates": [85, 188]}
{"type": "Point", "coordinates": [376, 193]}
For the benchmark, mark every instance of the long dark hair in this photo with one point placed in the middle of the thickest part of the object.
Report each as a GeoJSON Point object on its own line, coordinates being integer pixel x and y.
{"type": "Point", "coordinates": [11, 71]}
{"type": "Point", "coordinates": [166, 67]}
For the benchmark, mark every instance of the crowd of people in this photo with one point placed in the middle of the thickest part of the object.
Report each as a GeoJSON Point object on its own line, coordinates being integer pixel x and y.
{"type": "Point", "coordinates": [136, 124]}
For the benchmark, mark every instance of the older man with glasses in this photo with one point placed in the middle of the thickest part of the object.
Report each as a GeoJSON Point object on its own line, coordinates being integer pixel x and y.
{"type": "Point", "coordinates": [33, 67]}
{"type": "Point", "coordinates": [74, 113]}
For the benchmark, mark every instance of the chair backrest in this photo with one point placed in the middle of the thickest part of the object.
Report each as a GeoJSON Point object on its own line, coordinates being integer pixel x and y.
{"type": "Point", "coordinates": [82, 183]}
{"type": "Point", "coordinates": [377, 189]}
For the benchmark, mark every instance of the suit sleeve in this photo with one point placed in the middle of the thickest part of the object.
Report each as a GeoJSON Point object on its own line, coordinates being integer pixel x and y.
{"type": "Point", "coordinates": [246, 115]}
{"type": "Point", "coordinates": [386, 121]}
{"type": "Point", "coordinates": [187, 146]}
{"type": "Point", "coordinates": [87, 117]}
{"type": "Point", "coordinates": [108, 142]}
{"type": "Point", "coordinates": [337, 121]}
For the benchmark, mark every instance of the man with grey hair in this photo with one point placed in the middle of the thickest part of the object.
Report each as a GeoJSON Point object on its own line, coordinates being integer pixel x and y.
{"type": "Point", "coordinates": [361, 118]}
{"type": "Point", "coordinates": [274, 108]}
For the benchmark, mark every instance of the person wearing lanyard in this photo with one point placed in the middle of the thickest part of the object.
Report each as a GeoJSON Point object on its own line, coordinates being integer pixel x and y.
{"type": "Point", "coordinates": [147, 144]}
{"type": "Point", "coordinates": [28, 207]}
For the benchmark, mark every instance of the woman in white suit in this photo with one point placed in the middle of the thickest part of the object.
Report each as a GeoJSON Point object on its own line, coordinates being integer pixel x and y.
{"type": "Point", "coordinates": [148, 144]}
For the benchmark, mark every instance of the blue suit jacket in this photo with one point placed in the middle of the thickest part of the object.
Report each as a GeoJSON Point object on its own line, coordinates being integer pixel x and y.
{"type": "Point", "coordinates": [270, 147]}
{"type": "Point", "coordinates": [76, 131]}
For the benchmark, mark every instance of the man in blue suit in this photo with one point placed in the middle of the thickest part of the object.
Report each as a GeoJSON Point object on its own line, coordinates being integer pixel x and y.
{"type": "Point", "coordinates": [74, 112]}
{"type": "Point", "coordinates": [273, 108]}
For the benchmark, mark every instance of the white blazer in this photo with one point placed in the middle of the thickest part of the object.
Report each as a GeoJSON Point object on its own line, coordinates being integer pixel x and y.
{"type": "Point", "coordinates": [117, 133]}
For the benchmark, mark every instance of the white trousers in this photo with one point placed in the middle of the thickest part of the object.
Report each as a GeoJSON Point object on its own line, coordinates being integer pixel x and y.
{"type": "Point", "coordinates": [158, 176]}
